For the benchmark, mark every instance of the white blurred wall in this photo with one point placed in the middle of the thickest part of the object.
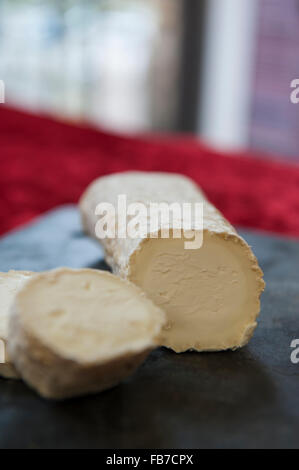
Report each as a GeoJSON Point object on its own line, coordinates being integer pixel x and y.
{"type": "Point", "coordinates": [224, 111]}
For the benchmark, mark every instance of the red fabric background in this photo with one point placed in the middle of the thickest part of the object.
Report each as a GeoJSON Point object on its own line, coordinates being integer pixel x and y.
{"type": "Point", "coordinates": [44, 163]}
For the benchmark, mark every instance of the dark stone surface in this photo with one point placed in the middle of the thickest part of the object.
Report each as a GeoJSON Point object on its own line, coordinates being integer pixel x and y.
{"type": "Point", "coordinates": [56, 239]}
{"type": "Point", "coordinates": [243, 399]}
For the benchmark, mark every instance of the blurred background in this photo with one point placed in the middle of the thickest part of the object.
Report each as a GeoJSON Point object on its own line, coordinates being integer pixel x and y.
{"type": "Point", "coordinates": [219, 69]}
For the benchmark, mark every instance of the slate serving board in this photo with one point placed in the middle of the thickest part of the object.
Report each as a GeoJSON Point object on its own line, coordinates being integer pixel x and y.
{"type": "Point", "coordinates": [243, 399]}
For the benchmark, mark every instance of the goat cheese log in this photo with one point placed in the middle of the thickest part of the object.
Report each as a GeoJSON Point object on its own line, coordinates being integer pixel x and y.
{"type": "Point", "coordinates": [10, 283]}
{"type": "Point", "coordinates": [211, 295]}
{"type": "Point", "coordinates": [74, 332]}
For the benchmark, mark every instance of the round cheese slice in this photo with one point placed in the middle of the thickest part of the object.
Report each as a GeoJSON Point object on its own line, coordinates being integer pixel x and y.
{"type": "Point", "coordinates": [75, 332]}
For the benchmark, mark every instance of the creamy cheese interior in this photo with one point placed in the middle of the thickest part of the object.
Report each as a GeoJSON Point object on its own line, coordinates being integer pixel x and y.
{"type": "Point", "coordinates": [210, 295]}
{"type": "Point", "coordinates": [88, 315]}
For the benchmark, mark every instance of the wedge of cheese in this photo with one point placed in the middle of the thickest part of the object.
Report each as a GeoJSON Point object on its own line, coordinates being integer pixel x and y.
{"type": "Point", "coordinates": [211, 295]}
{"type": "Point", "coordinates": [74, 332]}
{"type": "Point", "coordinates": [10, 283]}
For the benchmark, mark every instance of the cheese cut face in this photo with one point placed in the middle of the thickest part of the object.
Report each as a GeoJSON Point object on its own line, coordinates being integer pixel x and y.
{"type": "Point", "coordinates": [74, 332]}
{"type": "Point", "coordinates": [210, 295]}
{"type": "Point", "coordinates": [10, 283]}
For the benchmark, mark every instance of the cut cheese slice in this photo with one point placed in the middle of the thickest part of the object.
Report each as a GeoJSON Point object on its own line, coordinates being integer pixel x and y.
{"type": "Point", "coordinates": [211, 295]}
{"type": "Point", "coordinates": [10, 283]}
{"type": "Point", "coordinates": [74, 332]}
